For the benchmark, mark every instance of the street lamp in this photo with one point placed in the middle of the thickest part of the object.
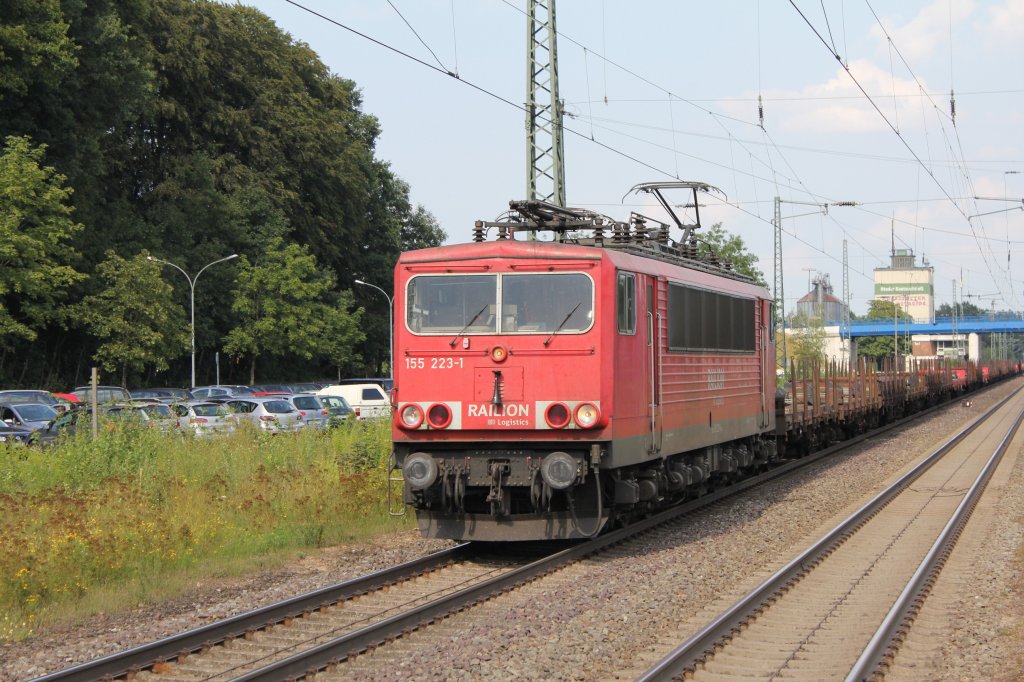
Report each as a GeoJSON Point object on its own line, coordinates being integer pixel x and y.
{"type": "Point", "coordinates": [192, 300]}
{"type": "Point", "coordinates": [391, 328]}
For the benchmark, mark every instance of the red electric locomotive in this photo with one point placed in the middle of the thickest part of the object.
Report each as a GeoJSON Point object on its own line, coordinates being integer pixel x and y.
{"type": "Point", "coordinates": [546, 388]}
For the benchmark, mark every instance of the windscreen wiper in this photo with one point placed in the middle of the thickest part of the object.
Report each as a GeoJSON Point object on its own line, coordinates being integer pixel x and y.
{"type": "Point", "coordinates": [562, 324]}
{"type": "Point", "coordinates": [468, 325]}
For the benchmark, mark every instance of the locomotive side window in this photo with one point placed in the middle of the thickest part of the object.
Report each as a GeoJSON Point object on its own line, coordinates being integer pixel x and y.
{"type": "Point", "coordinates": [626, 302]}
{"type": "Point", "coordinates": [549, 303]}
{"type": "Point", "coordinates": [451, 303]}
{"type": "Point", "coordinates": [701, 320]}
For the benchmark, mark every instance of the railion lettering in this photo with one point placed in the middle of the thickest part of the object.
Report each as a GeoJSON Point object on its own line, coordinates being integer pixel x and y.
{"type": "Point", "coordinates": [502, 410]}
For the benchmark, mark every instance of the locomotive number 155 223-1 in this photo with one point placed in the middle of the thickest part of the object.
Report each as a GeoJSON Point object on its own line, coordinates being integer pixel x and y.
{"type": "Point", "coordinates": [433, 363]}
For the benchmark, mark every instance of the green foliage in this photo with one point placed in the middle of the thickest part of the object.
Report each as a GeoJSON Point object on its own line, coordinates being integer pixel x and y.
{"type": "Point", "coordinates": [35, 230]}
{"type": "Point", "coordinates": [883, 346]}
{"type": "Point", "coordinates": [35, 49]}
{"type": "Point", "coordinates": [806, 342]}
{"type": "Point", "coordinates": [965, 309]}
{"type": "Point", "coordinates": [134, 316]}
{"type": "Point", "coordinates": [283, 305]}
{"type": "Point", "coordinates": [194, 129]}
{"type": "Point", "coordinates": [881, 309]}
{"type": "Point", "coordinates": [92, 525]}
{"type": "Point", "coordinates": [343, 333]}
{"type": "Point", "coordinates": [729, 247]}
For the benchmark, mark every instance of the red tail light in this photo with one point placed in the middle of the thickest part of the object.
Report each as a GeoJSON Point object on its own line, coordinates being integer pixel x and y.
{"type": "Point", "coordinates": [557, 416]}
{"type": "Point", "coordinates": [439, 416]}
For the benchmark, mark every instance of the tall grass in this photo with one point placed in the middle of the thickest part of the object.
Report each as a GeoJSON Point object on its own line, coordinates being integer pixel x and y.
{"type": "Point", "coordinates": [129, 512]}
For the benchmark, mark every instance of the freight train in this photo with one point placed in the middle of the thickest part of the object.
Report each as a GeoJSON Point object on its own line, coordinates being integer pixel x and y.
{"type": "Point", "coordinates": [574, 372]}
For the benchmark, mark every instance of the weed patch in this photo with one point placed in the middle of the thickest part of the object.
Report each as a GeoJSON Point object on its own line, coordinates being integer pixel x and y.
{"type": "Point", "coordinates": [135, 508]}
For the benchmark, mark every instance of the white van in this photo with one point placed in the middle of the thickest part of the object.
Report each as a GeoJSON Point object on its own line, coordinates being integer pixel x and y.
{"type": "Point", "coordinates": [368, 401]}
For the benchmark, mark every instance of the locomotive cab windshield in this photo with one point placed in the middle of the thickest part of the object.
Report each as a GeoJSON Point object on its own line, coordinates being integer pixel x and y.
{"type": "Point", "coordinates": [548, 303]}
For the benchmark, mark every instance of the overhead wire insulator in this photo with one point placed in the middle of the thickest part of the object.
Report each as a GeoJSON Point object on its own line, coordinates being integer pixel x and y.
{"type": "Point", "coordinates": [760, 112]}
{"type": "Point", "coordinates": [952, 107]}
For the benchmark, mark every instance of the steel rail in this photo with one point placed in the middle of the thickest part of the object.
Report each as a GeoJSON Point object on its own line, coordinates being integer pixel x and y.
{"type": "Point", "coordinates": [329, 653]}
{"type": "Point", "coordinates": [884, 641]}
{"type": "Point", "coordinates": [125, 662]}
{"type": "Point", "coordinates": [138, 658]}
{"type": "Point", "coordinates": [684, 657]}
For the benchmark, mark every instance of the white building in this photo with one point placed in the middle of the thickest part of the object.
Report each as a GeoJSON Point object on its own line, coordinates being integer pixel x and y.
{"type": "Point", "coordinates": [908, 285]}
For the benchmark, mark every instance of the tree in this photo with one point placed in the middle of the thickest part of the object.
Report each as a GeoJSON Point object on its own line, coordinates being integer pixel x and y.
{"type": "Point", "coordinates": [729, 247]}
{"type": "Point", "coordinates": [193, 129]}
{"type": "Point", "coordinates": [282, 303]}
{"type": "Point", "coordinates": [344, 333]}
{"type": "Point", "coordinates": [35, 231]}
{"type": "Point", "coordinates": [883, 346]}
{"type": "Point", "coordinates": [965, 309]}
{"type": "Point", "coordinates": [807, 339]}
{"type": "Point", "coordinates": [35, 50]}
{"type": "Point", "coordinates": [133, 317]}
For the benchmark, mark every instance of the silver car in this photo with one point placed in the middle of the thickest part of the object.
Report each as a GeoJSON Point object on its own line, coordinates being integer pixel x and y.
{"type": "Point", "coordinates": [268, 414]}
{"type": "Point", "coordinates": [34, 416]}
{"type": "Point", "coordinates": [220, 391]}
{"type": "Point", "coordinates": [205, 419]}
{"type": "Point", "coordinates": [313, 411]}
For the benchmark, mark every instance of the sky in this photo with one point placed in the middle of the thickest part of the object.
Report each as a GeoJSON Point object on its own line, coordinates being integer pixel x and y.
{"type": "Point", "coordinates": [855, 101]}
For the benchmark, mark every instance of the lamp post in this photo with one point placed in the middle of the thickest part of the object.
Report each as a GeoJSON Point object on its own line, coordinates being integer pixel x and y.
{"type": "Point", "coordinates": [192, 300]}
{"type": "Point", "coordinates": [391, 328]}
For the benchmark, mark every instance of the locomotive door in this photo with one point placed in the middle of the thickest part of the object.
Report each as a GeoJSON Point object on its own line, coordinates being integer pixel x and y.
{"type": "Point", "coordinates": [653, 374]}
{"type": "Point", "coordinates": [767, 382]}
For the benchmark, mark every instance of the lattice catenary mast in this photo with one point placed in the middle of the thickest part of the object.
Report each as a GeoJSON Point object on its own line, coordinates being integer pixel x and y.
{"type": "Point", "coordinates": [780, 295]}
{"type": "Point", "coordinates": [545, 170]}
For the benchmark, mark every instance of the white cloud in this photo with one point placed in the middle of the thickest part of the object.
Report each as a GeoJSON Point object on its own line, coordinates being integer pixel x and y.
{"type": "Point", "coordinates": [1006, 21]}
{"type": "Point", "coordinates": [853, 115]}
{"type": "Point", "coordinates": [929, 29]}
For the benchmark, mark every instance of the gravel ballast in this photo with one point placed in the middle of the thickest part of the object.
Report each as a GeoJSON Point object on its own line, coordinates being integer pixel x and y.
{"type": "Point", "coordinates": [611, 616]}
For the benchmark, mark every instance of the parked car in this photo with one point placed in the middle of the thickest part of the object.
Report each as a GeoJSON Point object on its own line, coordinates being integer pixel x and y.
{"type": "Point", "coordinates": [305, 387]}
{"type": "Point", "coordinates": [270, 389]}
{"type": "Point", "coordinates": [270, 414]}
{"type": "Point", "coordinates": [151, 415]}
{"type": "Point", "coordinates": [368, 401]}
{"type": "Point", "coordinates": [220, 391]}
{"type": "Point", "coordinates": [28, 396]}
{"type": "Point", "coordinates": [32, 416]}
{"type": "Point", "coordinates": [338, 408]}
{"type": "Point", "coordinates": [386, 383]}
{"type": "Point", "coordinates": [164, 395]}
{"type": "Point", "coordinates": [65, 425]}
{"type": "Point", "coordinates": [65, 402]}
{"type": "Point", "coordinates": [313, 411]}
{"type": "Point", "coordinates": [204, 419]}
{"type": "Point", "coordinates": [104, 394]}
{"type": "Point", "coordinates": [14, 435]}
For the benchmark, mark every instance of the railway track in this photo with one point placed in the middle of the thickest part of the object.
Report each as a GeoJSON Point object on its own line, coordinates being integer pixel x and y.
{"type": "Point", "coordinates": [326, 629]}
{"type": "Point", "coordinates": [840, 609]}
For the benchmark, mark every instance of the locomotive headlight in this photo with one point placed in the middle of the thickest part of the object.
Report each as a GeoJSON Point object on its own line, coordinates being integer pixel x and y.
{"type": "Point", "coordinates": [419, 470]}
{"type": "Point", "coordinates": [559, 470]}
{"type": "Point", "coordinates": [410, 417]}
{"type": "Point", "coordinates": [499, 353]}
{"type": "Point", "coordinates": [587, 415]}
